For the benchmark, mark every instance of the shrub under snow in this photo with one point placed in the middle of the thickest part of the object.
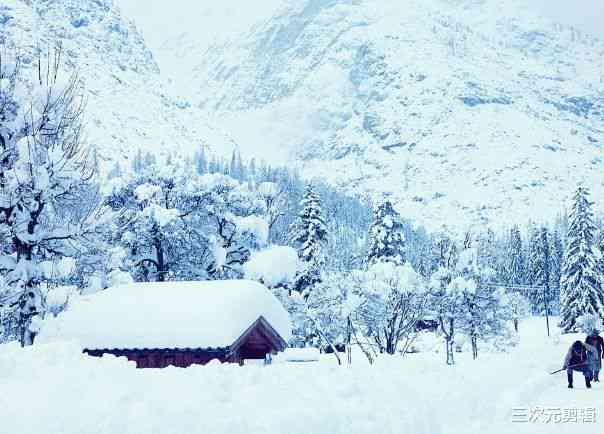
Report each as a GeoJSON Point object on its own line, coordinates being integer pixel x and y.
{"type": "Point", "coordinates": [274, 266]}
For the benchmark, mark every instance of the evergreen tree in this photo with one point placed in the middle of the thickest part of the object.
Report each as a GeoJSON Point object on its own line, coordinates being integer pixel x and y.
{"type": "Point", "coordinates": [310, 235]}
{"type": "Point", "coordinates": [544, 276]}
{"type": "Point", "coordinates": [515, 268]}
{"type": "Point", "coordinates": [233, 166]}
{"type": "Point", "coordinates": [115, 171]}
{"type": "Point", "coordinates": [386, 236]}
{"type": "Point", "coordinates": [580, 291]}
{"type": "Point", "coordinates": [534, 268]}
{"type": "Point", "coordinates": [149, 159]}
{"type": "Point", "coordinates": [487, 253]}
{"type": "Point", "coordinates": [241, 170]}
{"type": "Point", "coordinates": [557, 258]}
{"type": "Point", "coordinates": [137, 162]}
{"type": "Point", "coordinates": [533, 255]}
{"type": "Point", "coordinates": [252, 170]}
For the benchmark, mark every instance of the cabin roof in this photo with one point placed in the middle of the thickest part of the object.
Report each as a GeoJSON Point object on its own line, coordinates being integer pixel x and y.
{"type": "Point", "coordinates": [211, 315]}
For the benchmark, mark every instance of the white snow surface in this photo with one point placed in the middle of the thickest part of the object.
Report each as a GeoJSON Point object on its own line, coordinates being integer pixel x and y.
{"type": "Point", "coordinates": [298, 355]}
{"type": "Point", "coordinates": [167, 315]}
{"type": "Point", "coordinates": [54, 389]}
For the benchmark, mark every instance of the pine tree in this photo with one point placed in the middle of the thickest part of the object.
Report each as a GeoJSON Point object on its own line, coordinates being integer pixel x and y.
{"type": "Point", "coordinates": [533, 259]}
{"type": "Point", "coordinates": [232, 170]}
{"type": "Point", "coordinates": [386, 236]}
{"type": "Point", "coordinates": [201, 162]}
{"type": "Point", "coordinates": [534, 267]}
{"type": "Point", "coordinates": [310, 235]}
{"type": "Point", "coordinates": [487, 253]}
{"type": "Point", "coordinates": [241, 170]}
{"type": "Point", "coordinates": [557, 258]}
{"type": "Point", "coordinates": [515, 268]}
{"type": "Point", "coordinates": [137, 162]}
{"type": "Point", "coordinates": [580, 291]}
{"type": "Point", "coordinates": [546, 271]}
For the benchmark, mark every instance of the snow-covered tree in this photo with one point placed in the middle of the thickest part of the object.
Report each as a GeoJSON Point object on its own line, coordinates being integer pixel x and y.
{"type": "Point", "coordinates": [447, 302]}
{"type": "Point", "coordinates": [580, 289]}
{"type": "Point", "coordinates": [518, 306]}
{"type": "Point", "coordinates": [386, 236]}
{"type": "Point", "coordinates": [275, 202]}
{"type": "Point", "coordinates": [533, 255]}
{"type": "Point", "coordinates": [393, 301]}
{"type": "Point", "coordinates": [464, 304]}
{"type": "Point", "coordinates": [46, 188]}
{"type": "Point", "coordinates": [444, 252]}
{"type": "Point", "coordinates": [201, 161]}
{"type": "Point", "coordinates": [176, 224]}
{"type": "Point", "coordinates": [310, 236]}
{"type": "Point", "coordinates": [515, 262]}
{"type": "Point", "coordinates": [557, 259]}
{"type": "Point", "coordinates": [487, 251]}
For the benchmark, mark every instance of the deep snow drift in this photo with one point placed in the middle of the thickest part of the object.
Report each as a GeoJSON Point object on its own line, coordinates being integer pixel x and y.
{"type": "Point", "coordinates": [52, 389]}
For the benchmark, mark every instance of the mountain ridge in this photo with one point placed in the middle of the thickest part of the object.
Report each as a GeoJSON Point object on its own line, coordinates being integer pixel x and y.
{"type": "Point", "coordinates": [462, 111]}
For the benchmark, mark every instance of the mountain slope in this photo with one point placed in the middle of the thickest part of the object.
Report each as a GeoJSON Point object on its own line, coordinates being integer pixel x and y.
{"type": "Point", "coordinates": [462, 110]}
{"type": "Point", "coordinates": [127, 105]}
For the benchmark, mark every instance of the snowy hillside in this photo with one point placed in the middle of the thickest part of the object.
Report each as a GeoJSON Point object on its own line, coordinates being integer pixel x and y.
{"type": "Point", "coordinates": [463, 110]}
{"type": "Point", "coordinates": [127, 104]}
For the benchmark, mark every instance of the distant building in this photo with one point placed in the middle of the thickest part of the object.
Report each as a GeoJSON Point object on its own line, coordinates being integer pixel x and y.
{"type": "Point", "coordinates": [177, 323]}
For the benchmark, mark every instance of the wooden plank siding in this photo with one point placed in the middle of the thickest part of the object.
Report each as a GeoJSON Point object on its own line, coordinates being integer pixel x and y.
{"type": "Point", "coordinates": [256, 342]}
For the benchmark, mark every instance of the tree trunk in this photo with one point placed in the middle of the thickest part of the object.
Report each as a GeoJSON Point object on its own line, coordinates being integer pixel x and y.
{"type": "Point", "coordinates": [546, 301]}
{"type": "Point", "coordinates": [450, 342]}
{"type": "Point", "coordinates": [474, 347]}
{"type": "Point", "coordinates": [348, 340]}
{"type": "Point", "coordinates": [516, 324]}
{"type": "Point", "coordinates": [161, 261]}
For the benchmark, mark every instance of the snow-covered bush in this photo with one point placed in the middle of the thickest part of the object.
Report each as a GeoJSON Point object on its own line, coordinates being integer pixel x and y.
{"type": "Point", "coordinates": [393, 301]}
{"type": "Point", "coordinates": [589, 322]}
{"type": "Point", "coordinates": [274, 266]}
{"type": "Point", "coordinates": [518, 306]}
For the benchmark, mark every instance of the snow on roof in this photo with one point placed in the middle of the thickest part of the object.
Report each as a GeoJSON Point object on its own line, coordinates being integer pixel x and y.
{"type": "Point", "coordinates": [168, 315]}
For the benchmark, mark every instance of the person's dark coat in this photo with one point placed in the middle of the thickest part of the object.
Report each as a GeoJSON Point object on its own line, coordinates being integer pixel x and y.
{"type": "Point", "coordinates": [596, 341]}
{"type": "Point", "coordinates": [580, 356]}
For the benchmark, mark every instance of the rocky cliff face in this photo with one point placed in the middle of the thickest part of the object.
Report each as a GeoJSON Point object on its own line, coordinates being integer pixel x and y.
{"type": "Point", "coordinates": [128, 106]}
{"type": "Point", "coordinates": [462, 110]}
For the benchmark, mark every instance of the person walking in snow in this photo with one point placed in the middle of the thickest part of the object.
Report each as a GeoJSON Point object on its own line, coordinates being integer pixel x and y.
{"type": "Point", "coordinates": [595, 340]}
{"type": "Point", "coordinates": [580, 357]}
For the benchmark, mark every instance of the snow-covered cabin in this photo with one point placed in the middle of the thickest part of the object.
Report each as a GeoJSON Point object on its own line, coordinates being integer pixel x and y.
{"type": "Point", "coordinates": [177, 323]}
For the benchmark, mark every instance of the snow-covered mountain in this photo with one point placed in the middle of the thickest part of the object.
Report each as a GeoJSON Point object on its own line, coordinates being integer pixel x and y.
{"type": "Point", "coordinates": [127, 106]}
{"type": "Point", "coordinates": [462, 110]}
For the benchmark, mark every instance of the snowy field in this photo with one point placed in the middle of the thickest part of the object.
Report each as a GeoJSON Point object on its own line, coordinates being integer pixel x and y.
{"type": "Point", "coordinates": [52, 389]}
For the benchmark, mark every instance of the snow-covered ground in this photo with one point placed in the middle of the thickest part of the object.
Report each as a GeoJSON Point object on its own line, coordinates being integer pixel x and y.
{"type": "Point", "coordinates": [52, 389]}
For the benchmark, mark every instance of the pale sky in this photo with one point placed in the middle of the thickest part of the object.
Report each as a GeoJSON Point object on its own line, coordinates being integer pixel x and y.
{"type": "Point", "coordinates": [587, 15]}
